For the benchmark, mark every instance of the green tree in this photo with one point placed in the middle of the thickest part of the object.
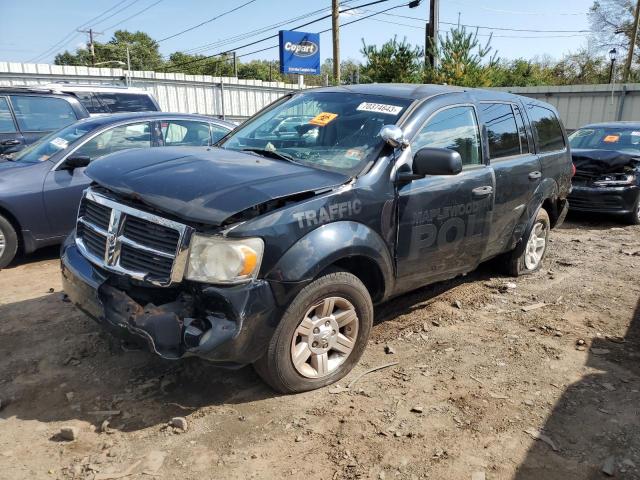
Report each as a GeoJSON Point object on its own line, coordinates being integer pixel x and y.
{"type": "Point", "coordinates": [393, 62]}
{"type": "Point", "coordinates": [462, 60]}
{"type": "Point", "coordinates": [143, 51]}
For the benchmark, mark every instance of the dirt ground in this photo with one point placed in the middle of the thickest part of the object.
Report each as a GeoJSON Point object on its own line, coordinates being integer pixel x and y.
{"type": "Point", "coordinates": [481, 386]}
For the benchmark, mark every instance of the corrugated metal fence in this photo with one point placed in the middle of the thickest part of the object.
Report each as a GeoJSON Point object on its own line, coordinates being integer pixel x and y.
{"type": "Point", "coordinates": [176, 92]}
{"type": "Point", "coordinates": [239, 99]}
{"type": "Point", "coordinates": [582, 104]}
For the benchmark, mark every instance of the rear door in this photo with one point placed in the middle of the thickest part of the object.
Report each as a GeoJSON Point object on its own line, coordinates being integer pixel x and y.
{"type": "Point", "coordinates": [11, 140]}
{"type": "Point", "coordinates": [63, 188]}
{"type": "Point", "coordinates": [444, 220]}
{"type": "Point", "coordinates": [38, 115]}
{"type": "Point", "coordinates": [517, 169]}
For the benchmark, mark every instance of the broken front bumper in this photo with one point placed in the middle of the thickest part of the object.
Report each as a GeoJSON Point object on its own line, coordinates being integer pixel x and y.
{"type": "Point", "coordinates": [619, 200]}
{"type": "Point", "coordinates": [230, 325]}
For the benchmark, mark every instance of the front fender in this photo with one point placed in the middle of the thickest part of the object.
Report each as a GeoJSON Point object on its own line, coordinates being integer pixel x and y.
{"type": "Point", "coordinates": [327, 244]}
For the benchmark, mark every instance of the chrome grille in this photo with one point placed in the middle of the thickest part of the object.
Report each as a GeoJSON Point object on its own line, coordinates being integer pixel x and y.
{"type": "Point", "coordinates": [129, 241]}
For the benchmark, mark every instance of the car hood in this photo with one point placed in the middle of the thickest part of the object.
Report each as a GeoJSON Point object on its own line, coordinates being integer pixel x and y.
{"type": "Point", "coordinates": [205, 185]}
{"type": "Point", "coordinates": [603, 161]}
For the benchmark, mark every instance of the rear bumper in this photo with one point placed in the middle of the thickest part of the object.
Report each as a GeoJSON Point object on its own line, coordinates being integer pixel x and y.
{"type": "Point", "coordinates": [230, 325]}
{"type": "Point", "coordinates": [619, 200]}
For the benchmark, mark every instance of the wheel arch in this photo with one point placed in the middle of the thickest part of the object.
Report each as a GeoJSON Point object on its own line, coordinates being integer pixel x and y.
{"type": "Point", "coordinates": [545, 196]}
{"type": "Point", "coordinates": [13, 220]}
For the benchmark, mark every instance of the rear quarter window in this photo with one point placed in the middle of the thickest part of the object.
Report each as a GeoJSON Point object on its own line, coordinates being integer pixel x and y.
{"type": "Point", "coordinates": [546, 129]}
{"type": "Point", "coordinates": [42, 114]}
{"type": "Point", "coordinates": [126, 102]}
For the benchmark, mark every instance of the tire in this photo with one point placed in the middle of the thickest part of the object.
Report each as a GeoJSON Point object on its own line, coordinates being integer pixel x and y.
{"type": "Point", "coordinates": [8, 242]}
{"type": "Point", "coordinates": [634, 217]}
{"type": "Point", "coordinates": [531, 258]}
{"type": "Point", "coordinates": [334, 307]}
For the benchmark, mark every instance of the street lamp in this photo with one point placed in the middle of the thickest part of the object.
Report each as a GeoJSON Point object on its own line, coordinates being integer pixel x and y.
{"type": "Point", "coordinates": [613, 55]}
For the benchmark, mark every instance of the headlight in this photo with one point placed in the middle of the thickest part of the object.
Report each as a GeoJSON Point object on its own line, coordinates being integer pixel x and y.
{"type": "Point", "coordinates": [615, 180]}
{"type": "Point", "coordinates": [224, 260]}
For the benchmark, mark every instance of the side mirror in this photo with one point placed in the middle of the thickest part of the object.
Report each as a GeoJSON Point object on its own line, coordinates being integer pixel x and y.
{"type": "Point", "coordinates": [435, 161]}
{"type": "Point", "coordinates": [79, 161]}
{"type": "Point", "coordinates": [394, 136]}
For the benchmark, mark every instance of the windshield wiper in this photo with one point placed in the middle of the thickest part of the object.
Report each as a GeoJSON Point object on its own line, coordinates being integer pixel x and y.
{"type": "Point", "coordinates": [271, 153]}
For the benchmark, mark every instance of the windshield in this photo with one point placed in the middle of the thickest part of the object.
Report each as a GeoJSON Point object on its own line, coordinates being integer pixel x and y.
{"type": "Point", "coordinates": [330, 130]}
{"type": "Point", "coordinates": [47, 146]}
{"type": "Point", "coordinates": [623, 139]}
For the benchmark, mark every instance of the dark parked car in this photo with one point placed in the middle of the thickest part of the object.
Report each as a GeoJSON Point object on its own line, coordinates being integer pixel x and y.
{"type": "Point", "coordinates": [27, 114]}
{"type": "Point", "coordinates": [607, 161]}
{"type": "Point", "coordinates": [41, 186]}
{"type": "Point", "coordinates": [273, 249]}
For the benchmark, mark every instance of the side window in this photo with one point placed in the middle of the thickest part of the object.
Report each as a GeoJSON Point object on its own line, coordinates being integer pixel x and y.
{"type": "Point", "coordinates": [41, 114]}
{"type": "Point", "coordinates": [90, 102]}
{"type": "Point", "coordinates": [6, 121]}
{"type": "Point", "coordinates": [217, 132]}
{"type": "Point", "coordinates": [184, 133]}
{"type": "Point", "coordinates": [455, 128]}
{"type": "Point", "coordinates": [134, 135]}
{"type": "Point", "coordinates": [546, 129]}
{"type": "Point", "coordinates": [502, 131]}
{"type": "Point", "coordinates": [126, 102]}
{"type": "Point", "coordinates": [524, 140]}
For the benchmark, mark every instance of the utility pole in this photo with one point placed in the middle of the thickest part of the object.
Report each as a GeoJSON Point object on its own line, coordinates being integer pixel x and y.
{"type": "Point", "coordinates": [634, 35]}
{"type": "Point", "coordinates": [335, 24]}
{"type": "Point", "coordinates": [432, 31]}
{"type": "Point", "coordinates": [235, 65]}
{"type": "Point", "coordinates": [92, 50]}
{"type": "Point", "coordinates": [128, 67]}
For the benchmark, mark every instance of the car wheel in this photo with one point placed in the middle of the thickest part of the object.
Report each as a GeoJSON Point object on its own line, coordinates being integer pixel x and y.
{"type": "Point", "coordinates": [634, 217]}
{"type": "Point", "coordinates": [530, 259]}
{"type": "Point", "coordinates": [8, 242]}
{"type": "Point", "coordinates": [321, 335]}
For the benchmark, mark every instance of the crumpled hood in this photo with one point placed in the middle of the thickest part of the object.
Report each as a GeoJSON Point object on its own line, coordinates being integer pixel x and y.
{"type": "Point", "coordinates": [205, 185]}
{"type": "Point", "coordinates": [603, 161]}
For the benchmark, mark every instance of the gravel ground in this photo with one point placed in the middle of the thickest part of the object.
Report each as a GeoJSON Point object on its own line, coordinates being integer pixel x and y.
{"type": "Point", "coordinates": [481, 389]}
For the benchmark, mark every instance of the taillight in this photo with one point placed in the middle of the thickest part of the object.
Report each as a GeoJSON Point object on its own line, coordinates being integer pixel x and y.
{"type": "Point", "coordinates": [573, 170]}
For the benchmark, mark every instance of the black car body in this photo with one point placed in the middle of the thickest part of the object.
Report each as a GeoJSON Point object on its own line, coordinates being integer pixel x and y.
{"type": "Point", "coordinates": [41, 186]}
{"type": "Point", "coordinates": [607, 161]}
{"type": "Point", "coordinates": [27, 114]}
{"type": "Point", "coordinates": [386, 188]}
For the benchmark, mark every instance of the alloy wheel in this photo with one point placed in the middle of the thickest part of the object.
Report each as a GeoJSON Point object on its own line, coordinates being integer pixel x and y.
{"type": "Point", "coordinates": [325, 337]}
{"type": "Point", "coordinates": [535, 246]}
{"type": "Point", "coordinates": [2, 243]}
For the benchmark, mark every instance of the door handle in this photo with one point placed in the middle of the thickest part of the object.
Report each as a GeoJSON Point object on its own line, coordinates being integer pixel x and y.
{"type": "Point", "coordinates": [8, 143]}
{"type": "Point", "coordinates": [535, 175]}
{"type": "Point", "coordinates": [482, 191]}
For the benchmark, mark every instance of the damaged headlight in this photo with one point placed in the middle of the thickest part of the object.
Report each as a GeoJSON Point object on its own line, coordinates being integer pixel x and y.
{"type": "Point", "coordinates": [224, 260]}
{"type": "Point", "coordinates": [615, 180]}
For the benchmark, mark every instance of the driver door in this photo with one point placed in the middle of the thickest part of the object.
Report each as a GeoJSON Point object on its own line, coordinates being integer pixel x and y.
{"type": "Point", "coordinates": [63, 187]}
{"type": "Point", "coordinates": [444, 220]}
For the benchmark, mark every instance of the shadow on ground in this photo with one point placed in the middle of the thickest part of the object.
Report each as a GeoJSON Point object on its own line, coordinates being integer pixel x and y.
{"type": "Point", "coordinates": [596, 422]}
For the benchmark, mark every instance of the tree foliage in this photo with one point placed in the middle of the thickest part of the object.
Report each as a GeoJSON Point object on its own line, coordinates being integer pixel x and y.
{"type": "Point", "coordinates": [393, 62]}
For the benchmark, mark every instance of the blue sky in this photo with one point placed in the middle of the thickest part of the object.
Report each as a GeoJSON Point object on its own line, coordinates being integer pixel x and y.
{"type": "Point", "coordinates": [36, 26]}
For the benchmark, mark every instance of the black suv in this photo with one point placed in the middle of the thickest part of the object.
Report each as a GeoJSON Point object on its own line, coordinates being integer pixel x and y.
{"type": "Point", "coordinates": [273, 248]}
{"type": "Point", "coordinates": [26, 114]}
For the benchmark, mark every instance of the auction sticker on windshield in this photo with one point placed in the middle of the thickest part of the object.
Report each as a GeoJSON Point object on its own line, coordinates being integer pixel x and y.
{"type": "Point", "coordinates": [379, 107]}
{"type": "Point", "coordinates": [61, 143]}
{"type": "Point", "coordinates": [323, 119]}
{"type": "Point", "coordinates": [611, 138]}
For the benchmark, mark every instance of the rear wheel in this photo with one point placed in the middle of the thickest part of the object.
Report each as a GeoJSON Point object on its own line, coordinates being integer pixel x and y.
{"type": "Point", "coordinates": [321, 335]}
{"type": "Point", "coordinates": [8, 242]}
{"type": "Point", "coordinates": [530, 259]}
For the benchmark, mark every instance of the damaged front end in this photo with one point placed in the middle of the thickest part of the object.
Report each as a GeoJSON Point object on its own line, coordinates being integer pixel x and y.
{"type": "Point", "coordinates": [230, 325]}
{"type": "Point", "coordinates": [606, 181]}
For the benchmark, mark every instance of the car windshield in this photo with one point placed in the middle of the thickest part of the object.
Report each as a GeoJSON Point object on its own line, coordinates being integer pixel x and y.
{"type": "Point", "coordinates": [327, 130]}
{"type": "Point", "coordinates": [622, 139]}
{"type": "Point", "coordinates": [46, 147]}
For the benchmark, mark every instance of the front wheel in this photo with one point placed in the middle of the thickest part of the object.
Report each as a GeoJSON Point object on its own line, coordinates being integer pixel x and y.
{"type": "Point", "coordinates": [8, 242]}
{"type": "Point", "coordinates": [530, 259]}
{"type": "Point", "coordinates": [634, 217]}
{"type": "Point", "coordinates": [321, 335]}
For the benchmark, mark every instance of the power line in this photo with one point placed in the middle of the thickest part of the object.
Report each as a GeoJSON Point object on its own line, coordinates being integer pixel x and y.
{"type": "Point", "coordinates": [512, 12]}
{"type": "Point", "coordinates": [207, 21]}
{"type": "Point", "coordinates": [115, 13]}
{"type": "Point", "coordinates": [134, 15]}
{"type": "Point", "coordinates": [276, 35]}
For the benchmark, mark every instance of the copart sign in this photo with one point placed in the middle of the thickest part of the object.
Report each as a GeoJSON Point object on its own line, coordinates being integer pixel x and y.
{"type": "Point", "coordinates": [299, 52]}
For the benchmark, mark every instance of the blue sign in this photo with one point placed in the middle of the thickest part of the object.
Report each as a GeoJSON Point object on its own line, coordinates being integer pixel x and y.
{"type": "Point", "coordinates": [299, 52]}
